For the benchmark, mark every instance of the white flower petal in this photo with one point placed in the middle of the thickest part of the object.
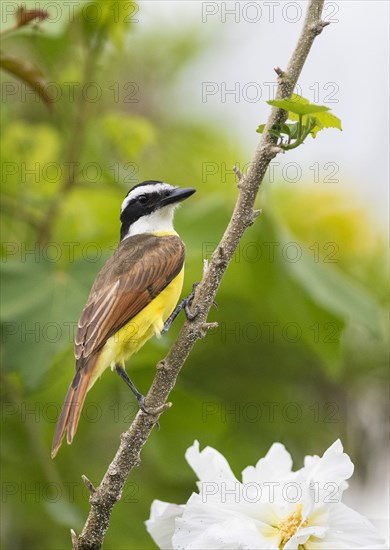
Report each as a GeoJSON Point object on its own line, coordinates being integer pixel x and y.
{"type": "Point", "coordinates": [226, 513]}
{"type": "Point", "coordinates": [202, 528]}
{"type": "Point", "coordinates": [161, 525]}
{"type": "Point", "coordinates": [279, 457]}
{"type": "Point", "coordinates": [303, 535]}
{"type": "Point", "coordinates": [334, 464]}
{"type": "Point", "coordinates": [350, 527]}
{"type": "Point", "coordinates": [276, 465]}
{"type": "Point", "coordinates": [211, 511]}
{"type": "Point", "coordinates": [327, 475]}
{"type": "Point", "coordinates": [209, 464]}
{"type": "Point", "coordinates": [347, 530]}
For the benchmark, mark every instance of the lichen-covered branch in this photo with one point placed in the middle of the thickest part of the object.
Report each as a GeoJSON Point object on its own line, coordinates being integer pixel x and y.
{"type": "Point", "coordinates": [104, 497]}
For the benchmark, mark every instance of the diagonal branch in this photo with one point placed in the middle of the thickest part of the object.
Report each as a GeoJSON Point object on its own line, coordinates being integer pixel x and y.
{"type": "Point", "coordinates": [128, 455]}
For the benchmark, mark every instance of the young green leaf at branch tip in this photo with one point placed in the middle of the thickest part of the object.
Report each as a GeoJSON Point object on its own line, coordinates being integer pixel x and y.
{"type": "Point", "coordinates": [301, 112]}
{"type": "Point", "coordinates": [298, 105]}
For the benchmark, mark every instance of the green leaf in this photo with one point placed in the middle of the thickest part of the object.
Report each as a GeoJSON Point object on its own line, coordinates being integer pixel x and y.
{"type": "Point", "coordinates": [283, 299]}
{"type": "Point", "coordinates": [299, 109]}
{"type": "Point", "coordinates": [39, 313]}
{"type": "Point", "coordinates": [298, 105]}
{"type": "Point", "coordinates": [275, 131]}
{"type": "Point", "coordinates": [321, 120]}
{"type": "Point", "coordinates": [293, 130]}
{"type": "Point", "coordinates": [336, 292]}
{"type": "Point", "coordinates": [325, 120]}
{"type": "Point", "coordinates": [113, 21]}
{"type": "Point", "coordinates": [285, 129]}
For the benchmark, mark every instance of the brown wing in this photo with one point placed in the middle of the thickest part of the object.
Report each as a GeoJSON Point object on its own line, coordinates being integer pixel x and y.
{"type": "Point", "coordinates": [140, 268]}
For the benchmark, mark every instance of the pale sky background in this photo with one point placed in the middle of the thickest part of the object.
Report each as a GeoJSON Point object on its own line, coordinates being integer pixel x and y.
{"type": "Point", "coordinates": [348, 63]}
{"type": "Point", "coordinates": [347, 70]}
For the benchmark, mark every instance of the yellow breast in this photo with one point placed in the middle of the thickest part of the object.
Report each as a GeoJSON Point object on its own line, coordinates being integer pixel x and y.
{"type": "Point", "coordinates": [147, 323]}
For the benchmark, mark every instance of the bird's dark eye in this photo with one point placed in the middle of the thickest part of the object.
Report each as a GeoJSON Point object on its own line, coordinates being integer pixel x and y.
{"type": "Point", "coordinates": [142, 199]}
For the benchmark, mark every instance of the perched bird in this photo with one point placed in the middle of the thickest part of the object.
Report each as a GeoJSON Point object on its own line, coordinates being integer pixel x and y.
{"type": "Point", "coordinates": [134, 294]}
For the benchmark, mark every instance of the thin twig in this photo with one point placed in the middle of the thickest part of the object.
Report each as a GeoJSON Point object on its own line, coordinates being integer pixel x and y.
{"type": "Point", "coordinates": [239, 174]}
{"type": "Point", "coordinates": [132, 441]}
{"type": "Point", "coordinates": [89, 485]}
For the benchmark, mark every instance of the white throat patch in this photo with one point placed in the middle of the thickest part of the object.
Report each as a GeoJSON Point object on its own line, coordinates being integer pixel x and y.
{"type": "Point", "coordinates": [159, 221]}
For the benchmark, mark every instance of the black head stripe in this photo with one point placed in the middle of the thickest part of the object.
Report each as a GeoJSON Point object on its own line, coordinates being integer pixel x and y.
{"type": "Point", "coordinates": [142, 200]}
{"type": "Point", "coordinates": [135, 210]}
{"type": "Point", "coordinates": [147, 182]}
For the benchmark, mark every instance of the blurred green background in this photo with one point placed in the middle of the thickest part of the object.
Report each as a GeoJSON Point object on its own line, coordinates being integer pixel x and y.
{"type": "Point", "coordinates": [300, 355]}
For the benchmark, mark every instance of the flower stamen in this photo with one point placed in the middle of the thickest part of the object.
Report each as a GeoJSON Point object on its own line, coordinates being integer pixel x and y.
{"type": "Point", "coordinates": [290, 525]}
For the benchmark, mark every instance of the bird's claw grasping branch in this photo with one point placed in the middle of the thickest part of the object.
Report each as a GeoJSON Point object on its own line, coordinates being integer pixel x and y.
{"type": "Point", "coordinates": [184, 304]}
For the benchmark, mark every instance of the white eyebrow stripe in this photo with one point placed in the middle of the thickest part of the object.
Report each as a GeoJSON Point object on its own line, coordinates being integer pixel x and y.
{"type": "Point", "coordinates": [144, 190]}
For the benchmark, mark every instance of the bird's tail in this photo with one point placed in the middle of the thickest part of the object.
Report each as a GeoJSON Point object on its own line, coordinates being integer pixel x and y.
{"type": "Point", "coordinates": [71, 409]}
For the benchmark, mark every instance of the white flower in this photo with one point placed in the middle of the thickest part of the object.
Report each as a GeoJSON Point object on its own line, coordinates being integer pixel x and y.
{"type": "Point", "coordinates": [272, 508]}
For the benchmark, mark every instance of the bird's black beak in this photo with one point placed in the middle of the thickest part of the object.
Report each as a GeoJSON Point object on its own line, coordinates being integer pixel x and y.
{"type": "Point", "coordinates": [177, 195]}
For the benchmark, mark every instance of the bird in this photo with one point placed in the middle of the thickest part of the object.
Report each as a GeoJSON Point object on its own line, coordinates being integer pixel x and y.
{"type": "Point", "coordinates": [134, 296]}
